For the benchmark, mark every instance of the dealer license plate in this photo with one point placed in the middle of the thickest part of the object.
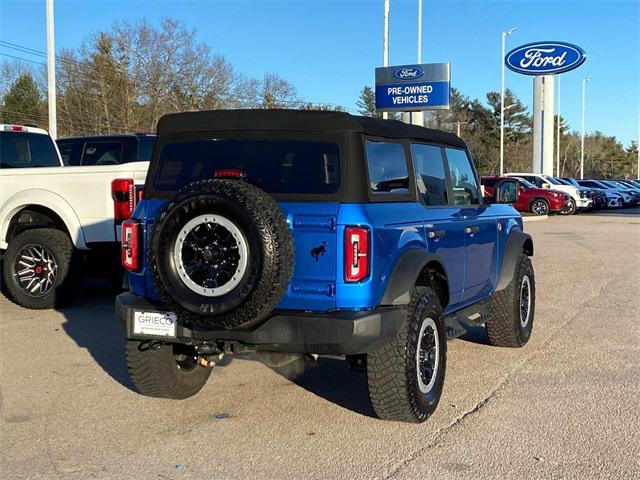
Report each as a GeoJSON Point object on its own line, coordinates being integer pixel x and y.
{"type": "Point", "coordinates": [160, 324]}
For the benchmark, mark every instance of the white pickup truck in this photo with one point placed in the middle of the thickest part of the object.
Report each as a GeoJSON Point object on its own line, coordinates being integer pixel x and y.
{"type": "Point", "coordinates": [52, 216]}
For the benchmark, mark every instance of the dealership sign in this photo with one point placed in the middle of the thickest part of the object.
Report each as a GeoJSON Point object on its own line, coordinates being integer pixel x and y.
{"type": "Point", "coordinates": [545, 58]}
{"type": "Point", "coordinates": [408, 88]}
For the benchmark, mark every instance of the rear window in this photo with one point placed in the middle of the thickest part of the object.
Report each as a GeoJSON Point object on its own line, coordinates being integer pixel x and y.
{"type": "Point", "coordinates": [276, 166]}
{"type": "Point", "coordinates": [27, 150]}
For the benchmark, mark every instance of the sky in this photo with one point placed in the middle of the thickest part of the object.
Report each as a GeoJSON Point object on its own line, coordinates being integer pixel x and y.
{"type": "Point", "coordinates": [329, 49]}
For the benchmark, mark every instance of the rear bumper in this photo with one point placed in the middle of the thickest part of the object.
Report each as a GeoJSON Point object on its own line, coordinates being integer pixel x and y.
{"type": "Point", "coordinates": [338, 333]}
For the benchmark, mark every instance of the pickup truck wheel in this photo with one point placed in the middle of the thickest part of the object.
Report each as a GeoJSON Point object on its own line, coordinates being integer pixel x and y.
{"type": "Point", "coordinates": [406, 376]}
{"type": "Point", "coordinates": [222, 254]}
{"type": "Point", "coordinates": [40, 270]}
{"type": "Point", "coordinates": [513, 309]}
{"type": "Point", "coordinates": [539, 206]}
{"type": "Point", "coordinates": [165, 370]}
{"type": "Point", "coordinates": [570, 209]}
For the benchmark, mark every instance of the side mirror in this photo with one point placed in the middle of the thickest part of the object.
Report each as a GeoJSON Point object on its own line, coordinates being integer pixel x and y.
{"type": "Point", "coordinates": [546, 185]}
{"type": "Point", "coordinates": [506, 191]}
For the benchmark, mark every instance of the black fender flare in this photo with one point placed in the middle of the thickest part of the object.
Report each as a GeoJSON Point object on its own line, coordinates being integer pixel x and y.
{"type": "Point", "coordinates": [518, 242]}
{"type": "Point", "coordinates": [405, 274]}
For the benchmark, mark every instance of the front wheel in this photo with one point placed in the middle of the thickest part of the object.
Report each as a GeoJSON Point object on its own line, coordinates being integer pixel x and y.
{"type": "Point", "coordinates": [570, 209]}
{"type": "Point", "coordinates": [513, 308]}
{"type": "Point", "coordinates": [165, 370]}
{"type": "Point", "coordinates": [406, 376]}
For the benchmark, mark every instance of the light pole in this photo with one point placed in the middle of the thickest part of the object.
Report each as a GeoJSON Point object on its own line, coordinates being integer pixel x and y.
{"type": "Point", "coordinates": [458, 123]}
{"type": "Point", "coordinates": [51, 71]}
{"type": "Point", "coordinates": [417, 118]}
{"type": "Point", "coordinates": [385, 43]}
{"type": "Point", "coordinates": [504, 43]}
{"type": "Point", "coordinates": [558, 139]}
{"type": "Point", "coordinates": [638, 145]}
{"type": "Point", "coordinates": [504, 109]}
{"type": "Point", "coordinates": [584, 96]}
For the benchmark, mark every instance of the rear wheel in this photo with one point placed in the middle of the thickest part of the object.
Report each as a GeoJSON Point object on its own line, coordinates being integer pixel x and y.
{"type": "Point", "coordinates": [165, 370]}
{"type": "Point", "coordinates": [406, 376]}
{"type": "Point", "coordinates": [539, 206]}
{"type": "Point", "coordinates": [40, 268]}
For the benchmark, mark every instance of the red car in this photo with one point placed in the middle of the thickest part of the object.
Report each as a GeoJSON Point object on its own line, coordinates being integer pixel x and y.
{"type": "Point", "coordinates": [539, 201]}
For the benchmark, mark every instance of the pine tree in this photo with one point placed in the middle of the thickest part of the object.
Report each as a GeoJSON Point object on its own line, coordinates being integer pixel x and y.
{"type": "Point", "coordinates": [22, 102]}
{"type": "Point", "coordinates": [367, 103]}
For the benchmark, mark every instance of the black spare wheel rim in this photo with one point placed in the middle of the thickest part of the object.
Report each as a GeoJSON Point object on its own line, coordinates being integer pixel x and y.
{"type": "Point", "coordinates": [211, 255]}
{"type": "Point", "coordinates": [35, 270]}
{"type": "Point", "coordinates": [221, 254]}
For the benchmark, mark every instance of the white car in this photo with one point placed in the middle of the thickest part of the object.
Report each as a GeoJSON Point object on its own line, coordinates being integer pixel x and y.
{"type": "Point", "coordinates": [628, 198]}
{"type": "Point", "coordinates": [52, 216]}
{"type": "Point", "coordinates": [580, 197]}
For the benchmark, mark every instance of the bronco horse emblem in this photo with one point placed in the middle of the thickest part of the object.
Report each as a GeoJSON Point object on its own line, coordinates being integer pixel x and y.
{"type": "Point", "coordinates": [319, 250]}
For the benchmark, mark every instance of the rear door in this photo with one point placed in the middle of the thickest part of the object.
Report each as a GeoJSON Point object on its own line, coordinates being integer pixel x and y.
{"type": "Point", "coordinates": [480, 226]}
{"type": "Point", "coordinates": [444, 230]}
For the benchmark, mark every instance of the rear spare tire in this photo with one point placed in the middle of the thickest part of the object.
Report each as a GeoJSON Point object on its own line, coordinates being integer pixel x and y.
{"type": "Point", "coordinates": [221, 254]}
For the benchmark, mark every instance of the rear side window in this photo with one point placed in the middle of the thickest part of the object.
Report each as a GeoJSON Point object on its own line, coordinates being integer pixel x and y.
{"type": "Point", "coordinates": [145, 148]}
{"type": "Point", "coordinates": [387, 167]}
{"type": "Point", "coordinates": [465, 186]}
{"type": "Point", "coordinates": [430, 173]}
{"type": "Point", "coordinates": [27, 150]}
{"type": "Point", "coordinates": [66, 151]}
{"type": "Point", "coordinates": [537, 181]}
{"type": "Point", "coordinates": [102, 153]}
{"type": "Point", "coordinates": [276, 166]}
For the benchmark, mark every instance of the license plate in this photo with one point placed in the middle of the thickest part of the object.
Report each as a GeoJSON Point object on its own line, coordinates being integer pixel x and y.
{"type": "Point", "coordinates": [160, 324]}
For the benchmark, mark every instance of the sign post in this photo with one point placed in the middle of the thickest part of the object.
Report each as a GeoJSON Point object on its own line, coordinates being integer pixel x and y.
{"type": "Point", "coordinates": [413, 88]}
{"type": "Point", "coordinates": [544, 60]}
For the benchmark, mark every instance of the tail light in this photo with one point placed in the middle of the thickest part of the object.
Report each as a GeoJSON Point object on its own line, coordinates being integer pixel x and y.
{"type": "Point", "coordinates": [124, 198]}
{"type": "Point", "coordinates": [130, 245]}
{"type": "Point", "coordinates": [356, 254]}
{"type": "Point", "coordinates": [229, 173]}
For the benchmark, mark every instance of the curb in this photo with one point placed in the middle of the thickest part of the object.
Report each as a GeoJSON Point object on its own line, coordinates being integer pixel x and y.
{"type": "Point", "coordinates": [534, 218]}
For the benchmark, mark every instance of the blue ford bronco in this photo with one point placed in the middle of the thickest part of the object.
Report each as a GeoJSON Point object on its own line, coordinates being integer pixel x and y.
{"type": "Point", "coordinates": [318, 233]}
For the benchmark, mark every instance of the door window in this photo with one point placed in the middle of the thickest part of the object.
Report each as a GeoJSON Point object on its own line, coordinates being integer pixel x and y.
{"type": "Point", "coordinates": [507, 192]}
{"type": "Point", "coordinates": [430, 174]}
{"type": "Point", "coordinates": [102, 153]}
{"type": "Point", "coordinates": [387, 167]}
{"type": "Point", "coordinates": [466, 190]}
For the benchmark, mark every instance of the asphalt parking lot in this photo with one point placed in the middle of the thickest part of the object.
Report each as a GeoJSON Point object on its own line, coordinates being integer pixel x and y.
{"type": "Point", "coordinates": [565, 406]}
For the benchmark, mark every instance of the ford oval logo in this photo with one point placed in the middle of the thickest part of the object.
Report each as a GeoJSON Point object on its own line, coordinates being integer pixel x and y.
{"type": "Point", "coordinates": [409, 73]}
{"type": "Point", "coordinates": [545, 58]}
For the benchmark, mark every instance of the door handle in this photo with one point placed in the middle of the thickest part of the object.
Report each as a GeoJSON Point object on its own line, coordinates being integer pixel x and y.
{"type": "Point", "coordinates": [436, 233]}
{"type": "Point", "coordinates": [472, 230]}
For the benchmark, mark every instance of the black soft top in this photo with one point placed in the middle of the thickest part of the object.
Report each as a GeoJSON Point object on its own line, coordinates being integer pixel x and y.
{"type": "Point", "coordinates": [299, 120]}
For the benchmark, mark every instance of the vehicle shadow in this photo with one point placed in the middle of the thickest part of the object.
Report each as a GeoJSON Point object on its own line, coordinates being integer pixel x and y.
{"type": "Point", "coordinates": [332, 379]}
{"type": "Point", "coordinates": [475, 334]}
{"type": "Point", "coordinates": [91, 323]}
